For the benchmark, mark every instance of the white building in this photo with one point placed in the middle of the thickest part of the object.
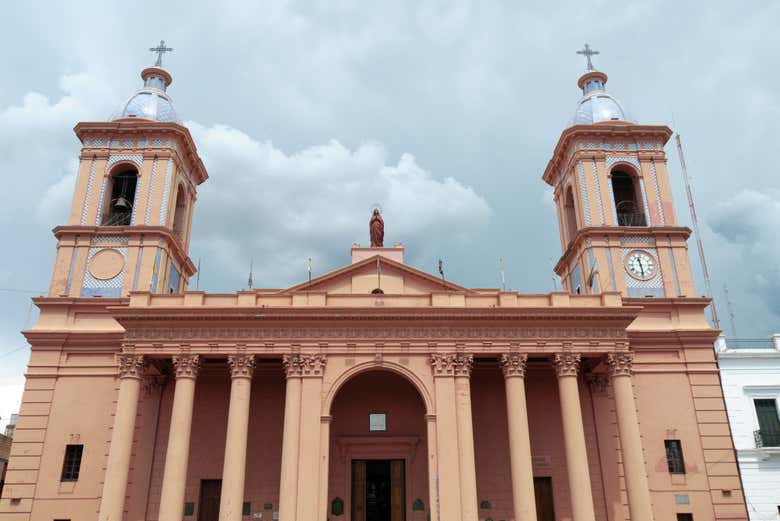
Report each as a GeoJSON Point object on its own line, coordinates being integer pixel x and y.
{"type": "Point", "coordinates": [750, 373]}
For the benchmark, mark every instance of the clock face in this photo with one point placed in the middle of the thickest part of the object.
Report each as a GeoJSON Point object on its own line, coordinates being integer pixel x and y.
{"type": "Point", "coordinates": [640, 265]}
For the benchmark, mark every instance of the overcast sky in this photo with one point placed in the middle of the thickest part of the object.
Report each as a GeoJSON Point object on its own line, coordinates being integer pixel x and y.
{"type": "Point", "coordinates": [444, 112]}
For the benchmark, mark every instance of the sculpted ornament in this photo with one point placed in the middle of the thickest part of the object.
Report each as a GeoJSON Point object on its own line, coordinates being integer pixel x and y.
{"type": "Point", "coordinates": [620, 364]}
{"type": "Point", "coordinates": [463, 365]}
{"type": "Point", "coordinates": [304, 365]}
{"type": "Point", "coordinates": [599, 382]}
{"type": "Point", "coordinates": [131, 365]}
{"type": "Point", "coordinates": [241, 365]}
{"type": "Point", "coordinates": [187, 366]}
{"type": "Point", "coordinates": [567, 364]}
{"type": "Point", "coordinates": [451, 364]}
{"type": "Point", "coordinates": [513, 364]}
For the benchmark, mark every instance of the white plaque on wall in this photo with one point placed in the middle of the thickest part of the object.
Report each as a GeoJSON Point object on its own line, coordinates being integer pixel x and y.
{"type": "Point", "coordinates": [377, 421]}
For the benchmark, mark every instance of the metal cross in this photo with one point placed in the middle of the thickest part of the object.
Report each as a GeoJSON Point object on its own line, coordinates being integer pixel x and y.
{"type": "Point", "coordinates": [160, 49]}
{"type": "Point", "coordinates": [588, 52]}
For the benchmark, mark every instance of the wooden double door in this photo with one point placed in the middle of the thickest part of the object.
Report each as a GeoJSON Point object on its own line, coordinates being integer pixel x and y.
{"type": "Point", "coordinates": [378, 490]}
{"type": "Point", "coordinates": [208, 506]}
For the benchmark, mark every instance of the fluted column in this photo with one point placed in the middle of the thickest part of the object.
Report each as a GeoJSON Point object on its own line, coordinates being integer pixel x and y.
{"type": "Point", "coordinates": [311, 369]}
{"type": "Point", "coordinates": [112, 505]}
{"type": "Point", "coordinates": [566, 367]}
{"type": "Point", "coordinates": [513, 366]}
{"type": "Point", "coordinates": [231, 500]}
{"type": "Point", "coordinates": [447, 503]}
{"type": "Point", "coordinates": [325, 422]}
{"type": "Point", "coordinates": [433, 468]}
{"type": "Point", "coordinates": [468, 471]}
{"type": "Point", "coordinates": [178, 453]}
{"type": "Point", "coordinates": [639, 502]}
{"type": "Point", "coordinates": [288, 484]}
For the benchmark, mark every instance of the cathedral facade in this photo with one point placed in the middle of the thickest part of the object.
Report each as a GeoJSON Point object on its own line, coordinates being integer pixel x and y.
{"type": "Point", "coordinates": [376, 392]}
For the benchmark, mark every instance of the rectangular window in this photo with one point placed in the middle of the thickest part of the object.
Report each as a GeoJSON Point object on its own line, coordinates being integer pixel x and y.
{"type": "Point", "coordinates": [768, 422]}
{"type": "Point", "coordinates": [674, 456]}
{"type": "Point", "coordinates": [72, 464]}
{"type": "Point", "coordinates": [684, 517]}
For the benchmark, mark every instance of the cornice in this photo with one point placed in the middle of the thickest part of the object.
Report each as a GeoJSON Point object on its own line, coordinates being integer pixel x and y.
{"type": "Point", "coordinates": [601, 131]}
{"type": "Point", "coordinates": [135, 230]}
{"type": "Point", "coordinates": [616, 232]}
{"type": "Point", "coordinates": [138, 127]}
{"type": "Point", "coordinates": [128, 316]}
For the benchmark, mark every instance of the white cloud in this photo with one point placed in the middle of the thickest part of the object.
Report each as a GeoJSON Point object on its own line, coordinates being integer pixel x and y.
{"type": "Point", "coordinates": [280, 208]}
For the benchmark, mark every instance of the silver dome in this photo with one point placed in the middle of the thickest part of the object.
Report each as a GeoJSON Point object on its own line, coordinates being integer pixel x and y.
{"type": "Point", "coordinates": [151, 101]}
{"type": "Point", "coordinates": [598, 107]}
{"type": "Point", "coordinates": [596, 104]}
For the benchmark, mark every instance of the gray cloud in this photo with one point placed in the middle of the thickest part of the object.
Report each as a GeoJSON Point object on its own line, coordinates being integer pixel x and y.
{"type": "Point", "coordinates": [749, 221]}
{"type": "Point", "coordinates": [474, 91]}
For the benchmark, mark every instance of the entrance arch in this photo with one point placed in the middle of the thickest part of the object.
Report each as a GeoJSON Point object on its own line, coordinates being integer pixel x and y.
{"type": "Point", "coordinates": [379, 450]}
{"type": "Point", "coordinates": [399, 369]}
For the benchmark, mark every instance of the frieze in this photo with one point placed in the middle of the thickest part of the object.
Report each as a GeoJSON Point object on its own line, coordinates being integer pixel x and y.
{"type": "Point", "coordinates": [262, 334]}
{"type": "Point", "coordinates": [513, 364]}
{"type": "Point", "coordinates": [187, 366]}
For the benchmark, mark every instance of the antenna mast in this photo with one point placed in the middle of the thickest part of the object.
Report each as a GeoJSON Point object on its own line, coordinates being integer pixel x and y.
{"type": "Point", "coordinates": [695, 221]}
{"type": "Point", "coordinates": [731, 311]}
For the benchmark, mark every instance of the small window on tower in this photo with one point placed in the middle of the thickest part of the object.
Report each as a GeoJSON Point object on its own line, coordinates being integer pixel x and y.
{"type": "Point", "coordinates": [627, 200]}
{"type": "Point", "coordinates": [570, 214]}
{"type": "Point", "coordinates": [180, 215]}
{"type": "Point", "coordinates": [72, 462]}
{"type": "Point", "coordinates": [674, 456]}
{"type": "Point", "coordinates": [119, 207]}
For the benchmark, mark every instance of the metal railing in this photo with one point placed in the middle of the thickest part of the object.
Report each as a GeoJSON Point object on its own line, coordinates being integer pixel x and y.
{"type": "Point", "coordinates": [766, 439]}
{"type": "Point", "coordinates": [749, 343]}
{"type": "Point", "coordinates": [631, 219]}
{"type": "Point", "coordinates": [117, 219]}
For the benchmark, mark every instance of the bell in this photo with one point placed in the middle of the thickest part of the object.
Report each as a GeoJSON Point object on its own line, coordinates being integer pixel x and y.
{"type": "Point", "coordinates": [121, 203]}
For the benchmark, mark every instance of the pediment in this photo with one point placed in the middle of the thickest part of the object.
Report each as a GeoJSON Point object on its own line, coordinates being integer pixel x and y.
{"type": "Point", "coordinates": [377, 272]}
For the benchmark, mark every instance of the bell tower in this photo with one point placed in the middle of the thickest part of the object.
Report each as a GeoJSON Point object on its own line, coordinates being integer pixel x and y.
{"type": "Point", "coordinates": [615, 210]}
{"type": "Point", "coordinates": [136, 187]}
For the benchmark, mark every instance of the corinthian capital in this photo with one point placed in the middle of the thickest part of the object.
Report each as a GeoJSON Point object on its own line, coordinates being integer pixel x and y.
{"type": "Point", "coordinates": [567, 364]}
{"type": "Point", "coordinates": [513, 364]}
{"type": "Point", "coordinates": [451, 364]}
{"type": "Point", "coordinates": [186, 366]}
{"type": "Point", "coordinates": [241, 365]}
{"type": "Point", "coordinates": [620, 364]}
{"type": "Point", "coordinates": [131, 365]}
{"type": "Point", "coordinates": [463, 365]}
{"type": "Point", "coordinates": [442, 364]}
{"type": "Point", "coordinates": [297, 365]}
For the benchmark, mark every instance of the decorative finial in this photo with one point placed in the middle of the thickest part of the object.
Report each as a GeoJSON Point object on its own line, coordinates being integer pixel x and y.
{"type": "Point", "coordinates": [588, 52]}
{"type": "Point", "coordinates": [160, 49]}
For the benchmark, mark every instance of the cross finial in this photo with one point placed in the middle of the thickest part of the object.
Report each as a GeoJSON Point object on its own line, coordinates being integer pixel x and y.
{"type": "Point", "coordinates": [160, 49]}
{"type": "Point", "coordinates": [588, 52]}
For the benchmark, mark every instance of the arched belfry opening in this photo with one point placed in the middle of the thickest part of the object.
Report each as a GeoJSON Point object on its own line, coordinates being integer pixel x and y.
{"type": "Point", "coordinates": [628, 199]}
{"type": "Point", "coordinates": [180, 214]}
{"type": "Point", "coordinates": [121, 198]}
{"type": "Point", "coordinates": [379, 449]}
{"type": "Point", "coordinates": [570, 214]}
